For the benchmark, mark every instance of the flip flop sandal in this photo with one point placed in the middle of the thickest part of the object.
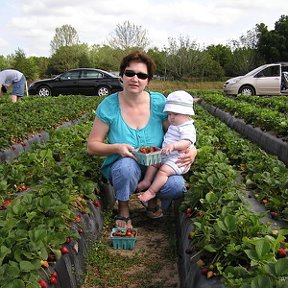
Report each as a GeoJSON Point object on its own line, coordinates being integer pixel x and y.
{"type": "Point", "coordinates": [144, 204]}
{"type": "Point", "coordinates": [155, 213]}
{"type": "Point", "coordinates": [122, 218]}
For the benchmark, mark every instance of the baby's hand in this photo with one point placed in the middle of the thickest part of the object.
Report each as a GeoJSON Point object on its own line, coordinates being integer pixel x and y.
{"type": "Point", "coordinates": [167, 149]}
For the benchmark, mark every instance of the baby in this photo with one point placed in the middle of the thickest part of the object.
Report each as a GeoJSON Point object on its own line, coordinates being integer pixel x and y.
{"type": "Point", "coordinates": [180, 135]}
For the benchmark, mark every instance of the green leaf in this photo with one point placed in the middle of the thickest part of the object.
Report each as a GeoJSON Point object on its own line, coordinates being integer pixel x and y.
{"type": "Point", "coordinates": [16, 283]}
{"type": "Point", "coordinates": [281, 267]}
{"type": "Point", "coordinates": [262, 248]}
{"type": "Point", "coordinates": [45, 202]}
{"type": "Point", "coordinates": [261, 281]}
{"type": "Point", "coordinates": [26, 266]}
{"type": "Point", "coordinates": [3, 252]}
{"type": "Point", "coordinates": [211, 197]}
{"type": "Point", "coordinates": [230, 222]}
{"type": "Point", "coordinates": [251, 254]}
{"type": "Point", "coordinates": [210, 248]}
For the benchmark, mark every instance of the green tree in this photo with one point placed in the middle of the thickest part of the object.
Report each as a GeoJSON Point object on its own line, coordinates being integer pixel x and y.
{"type": "Point", "coordinates": [25, 65]}
{"type": "Point", "coordinates": [222, 55]}
{"type": "Point", "coordinates": [186, 60]}
{"type": "Point", "coordinates": [65, 35]}
{"type": "Point", "coordinates": [160, 59]}
{"type": "Point", "coordinates": [273, 45]}
{"type": "Point", "coordinates": [106, 57]}
{"type": "Point", "coordinates": [69, 57]}
{"type": "Point", "coordinates": [128, 35]}
{"type": "Point", "coordinates": [41, 64]}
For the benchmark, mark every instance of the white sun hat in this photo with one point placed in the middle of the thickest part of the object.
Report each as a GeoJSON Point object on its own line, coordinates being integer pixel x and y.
{"type": "Point", "coordinates": [179, 102]}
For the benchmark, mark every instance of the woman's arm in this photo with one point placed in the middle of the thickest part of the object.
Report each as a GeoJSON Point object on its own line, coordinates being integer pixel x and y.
{"type": "Point", "coordinates": [97, 146]}
{"type": "Point", "coordinates": [187, 157]}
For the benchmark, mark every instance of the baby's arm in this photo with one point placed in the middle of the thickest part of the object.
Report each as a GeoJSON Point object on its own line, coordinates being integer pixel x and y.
{"type": "Point", "coordinates": [176, 146]}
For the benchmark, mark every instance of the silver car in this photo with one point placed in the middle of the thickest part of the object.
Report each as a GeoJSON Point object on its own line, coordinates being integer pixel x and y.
{"type": "Point", "coordinates": [268, 79]}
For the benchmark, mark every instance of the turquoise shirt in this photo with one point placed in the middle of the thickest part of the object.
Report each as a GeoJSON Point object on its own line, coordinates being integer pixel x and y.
{"type": "Point", "coordinates": [119, 132]}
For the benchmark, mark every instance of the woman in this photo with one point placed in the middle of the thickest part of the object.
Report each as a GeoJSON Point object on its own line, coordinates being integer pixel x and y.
{"type": "Point", "coordinates": [130, 119]}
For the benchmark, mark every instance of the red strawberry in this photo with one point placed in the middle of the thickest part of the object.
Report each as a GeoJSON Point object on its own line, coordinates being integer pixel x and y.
{"type": "Point", "coordinates": [68, 240]}
{"type": "Point", "coordinates": [77, 218]}
{"type": "Point", "coordinates": [54, 274]}
{"type": "Point", "coordinates": [6, 203]}
{"type": "Point", "coordinates": [210, 274]}
{"type": "Point", "coordinates": [51, 257]}
{"type": "Point", "coordinates": [204, 270]}
{"type": "Point", "coordinates": [53, 280]}
{"type": "Point", "coordinates": [274, 214]}
{"type": "Point", "coordinates": [96, 203]}
{"type": "Point", "coordinates": [189, 212]}
{"type": "Point", "coordinates": [64, 249]}
{"type": "Point", "coordinates": [282, 252]}
{"type": "Point", "coordinates": [80, 231]}
{"type": "Point", "coordinates": [43, 284]}
{"type": "Point", "coordinates": [129, 233]}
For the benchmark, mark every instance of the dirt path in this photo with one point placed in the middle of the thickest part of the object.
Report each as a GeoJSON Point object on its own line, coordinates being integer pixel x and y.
{"type": "Point", "coordinates": [155, 251]}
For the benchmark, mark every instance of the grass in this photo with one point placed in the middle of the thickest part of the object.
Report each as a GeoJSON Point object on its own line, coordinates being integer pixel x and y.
{"type": "Point", "coordinates": [111, 268]}
{"type": "Point", "coordinates": [156, 85]}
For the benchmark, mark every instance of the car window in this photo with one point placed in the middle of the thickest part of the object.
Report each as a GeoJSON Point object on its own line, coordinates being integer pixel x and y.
{"type": "Point", "coordinates": [271, 71]}
{"type": "Point", "coordinates": [71, 75]}
{"type": "Point", "coordinates": [91, 74]}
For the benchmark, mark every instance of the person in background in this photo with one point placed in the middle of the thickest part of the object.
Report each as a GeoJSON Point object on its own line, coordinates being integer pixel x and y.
{"type": "Point", "coordinates": [16, 79]}
{"type": "Point", "coordinates": [180, 136]}
{"type": "Point", "coordinates": [125, 121]}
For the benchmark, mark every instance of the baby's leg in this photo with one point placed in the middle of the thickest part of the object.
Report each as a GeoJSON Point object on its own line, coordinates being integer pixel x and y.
{"type": "Point", "coordinates": [161, 178]}
{"type": "Point", "coordinates": [148, 178]}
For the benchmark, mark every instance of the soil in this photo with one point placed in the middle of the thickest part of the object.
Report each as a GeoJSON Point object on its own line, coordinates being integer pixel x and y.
{"type": "Point", "coordinates": [156, 243]}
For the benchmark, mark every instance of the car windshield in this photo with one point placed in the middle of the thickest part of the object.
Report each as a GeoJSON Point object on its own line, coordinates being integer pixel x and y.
{"type": "Point", "coordinates": [111, 74]}
{"type": "Point", "coordinates": [255, 70]}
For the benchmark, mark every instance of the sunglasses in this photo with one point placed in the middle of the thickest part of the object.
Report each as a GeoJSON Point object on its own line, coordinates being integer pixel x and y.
{"type": "Point", "coordinates": [131, 73]}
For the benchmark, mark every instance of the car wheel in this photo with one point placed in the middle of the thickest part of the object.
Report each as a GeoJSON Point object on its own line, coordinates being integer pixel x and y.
{"type": "Point", "coordinates": [247, 90]}
{"type": "Point", "coordinates": [103, 91]}
{"type": "Point", "coordinates": [44, 91]}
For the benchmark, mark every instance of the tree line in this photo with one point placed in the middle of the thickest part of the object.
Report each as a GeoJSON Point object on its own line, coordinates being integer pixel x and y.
{"type": "Point", "coordinates": [182, 59]}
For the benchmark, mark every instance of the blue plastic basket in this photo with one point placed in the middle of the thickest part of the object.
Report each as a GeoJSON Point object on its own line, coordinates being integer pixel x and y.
{"type": "Point", "coordinates": [148, 159]}
{"type": "Point", "coordinates": [123, 242]}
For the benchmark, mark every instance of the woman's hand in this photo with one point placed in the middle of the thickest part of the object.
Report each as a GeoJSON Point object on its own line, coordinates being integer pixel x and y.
{"type": "Point", "coordinates": [187, 157]}
{"type": "Point", "coordinates": [125, 150]}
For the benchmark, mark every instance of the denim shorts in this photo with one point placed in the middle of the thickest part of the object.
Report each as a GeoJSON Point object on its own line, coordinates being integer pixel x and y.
{"type": "Point", "coordinates": [126, 173]}
{"type": "Point", "coordinates": [19, 87]}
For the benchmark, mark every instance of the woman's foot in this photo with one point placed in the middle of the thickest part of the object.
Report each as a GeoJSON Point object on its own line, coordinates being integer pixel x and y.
{"type": "Point", "coordinates": [146, 196]}
{"type": "Point", "coordinates": [155, 212]}
{"type": "Point", "coordinates": [142, 185]}
{"type": "Point", "coordinates": [123, 222]}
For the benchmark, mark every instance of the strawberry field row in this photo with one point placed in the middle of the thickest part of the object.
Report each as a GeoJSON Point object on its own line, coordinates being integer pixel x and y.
{"type": "Point", "coordinates": [35, 114]}
{"type": "Point", "coordinates": [227, 238]}
{"type": "Point", "coordinates": [47, 196]}
{"type": "Point", "coordinates": [278, 103]}
{"type": "Point", "coordinates": [268, 119]}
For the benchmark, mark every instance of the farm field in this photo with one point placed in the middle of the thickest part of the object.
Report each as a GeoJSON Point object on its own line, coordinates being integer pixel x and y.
{"type": "Point", "coordinates": [48, 187]}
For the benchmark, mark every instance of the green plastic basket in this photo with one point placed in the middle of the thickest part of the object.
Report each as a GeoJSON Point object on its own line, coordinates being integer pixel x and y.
{"type": "Point", "coordinates": [123, 242]}
{"type": "Point", "coordinates": [148, 159]}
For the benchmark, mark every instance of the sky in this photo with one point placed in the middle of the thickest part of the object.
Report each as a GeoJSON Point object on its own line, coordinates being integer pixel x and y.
{"type": "Point", "coordinates": [30, 24]}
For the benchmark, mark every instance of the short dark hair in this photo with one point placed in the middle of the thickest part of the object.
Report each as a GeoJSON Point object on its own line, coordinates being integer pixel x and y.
{"type": "Point", "coordinates": [3, 89]}
{"type": "Point", "coordinates": [138, 56]}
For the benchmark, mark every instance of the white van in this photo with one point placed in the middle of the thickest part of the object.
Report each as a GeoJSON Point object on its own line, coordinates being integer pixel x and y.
{"type": "Point", "coordinates": [268, 79]}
